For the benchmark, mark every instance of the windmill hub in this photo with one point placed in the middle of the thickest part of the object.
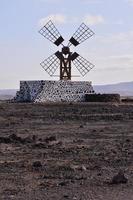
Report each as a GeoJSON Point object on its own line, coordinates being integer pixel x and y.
{"type": "Point", "coordinates": [65, 50]}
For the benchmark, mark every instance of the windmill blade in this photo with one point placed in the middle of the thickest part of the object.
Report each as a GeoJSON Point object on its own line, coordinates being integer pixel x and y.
{"type": "Point", "coordinates": [83, 65]}
{"type": "Point", "coordinates": [50, 32]}
{"type": "Point", "coordinates": [82, 34]}
{"type": "Point", "coordinates": [51, 64]}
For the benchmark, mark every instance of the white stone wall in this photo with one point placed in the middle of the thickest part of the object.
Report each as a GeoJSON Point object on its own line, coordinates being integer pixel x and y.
{"type": "Point", "coordinates": [53, 91]}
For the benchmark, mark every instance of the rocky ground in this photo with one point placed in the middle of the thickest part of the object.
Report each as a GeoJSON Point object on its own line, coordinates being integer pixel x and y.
{"type": "Point", "coordinates": [66, 151]}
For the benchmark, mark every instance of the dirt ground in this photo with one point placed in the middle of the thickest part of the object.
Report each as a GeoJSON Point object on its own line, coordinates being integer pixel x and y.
{"type": "Point", "coordinates": [65, 151]}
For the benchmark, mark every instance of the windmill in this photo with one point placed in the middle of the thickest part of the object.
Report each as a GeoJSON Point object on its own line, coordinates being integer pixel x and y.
{"type": "Point", "coordinates": [65, 58]}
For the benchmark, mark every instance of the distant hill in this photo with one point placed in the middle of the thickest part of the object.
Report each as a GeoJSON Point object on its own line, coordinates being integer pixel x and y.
{"type": "Point", "coordinates": [124, 88]}
{"type": "Point", "coordinates": [7, 94]}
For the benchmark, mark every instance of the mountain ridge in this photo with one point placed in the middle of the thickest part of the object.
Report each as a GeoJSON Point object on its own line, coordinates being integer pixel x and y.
{"type": "Point", "coordinates": [123, 88]}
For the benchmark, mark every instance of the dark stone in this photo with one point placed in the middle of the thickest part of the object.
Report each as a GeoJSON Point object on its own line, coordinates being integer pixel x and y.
{"type": "Point", "coordinates": [119, 178]}
{"type": "Point", "coordinates": [66, 196]}
{"type": "Point", "coordinates": [34, 138]}
{"type": "Point", "coordinates": [5, 140]}
{"type": "Point", "coordinates": [39, 145]}
{"type": "Point", "coordinates": [50, 139]}
{"type": "Point", "coordinates": [15, 139]}
{"type": "Point", "coordinates": [128, 140]}
{"type": "Point", "coordinates": [63, 183]}
{"type": "Point", "coordinates": [37, 164]}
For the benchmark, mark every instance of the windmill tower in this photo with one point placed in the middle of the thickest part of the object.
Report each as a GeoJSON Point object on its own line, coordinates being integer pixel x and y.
{"type": "Point", "coordinates": [65, 58]}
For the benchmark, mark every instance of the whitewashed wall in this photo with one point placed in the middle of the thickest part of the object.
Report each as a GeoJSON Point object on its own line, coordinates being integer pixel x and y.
{"type": "Point", "coordinates": [53, 91]}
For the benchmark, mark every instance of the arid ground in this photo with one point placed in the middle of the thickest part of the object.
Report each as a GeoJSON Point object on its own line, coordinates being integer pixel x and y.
{"type": "Point", "coordinates": [65, 151]}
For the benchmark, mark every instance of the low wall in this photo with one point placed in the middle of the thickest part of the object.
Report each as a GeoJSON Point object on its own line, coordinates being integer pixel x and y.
{"type": "Point", "coordinates": [127, 100]}
{"type": "Point", "coordinates": [102, 98]}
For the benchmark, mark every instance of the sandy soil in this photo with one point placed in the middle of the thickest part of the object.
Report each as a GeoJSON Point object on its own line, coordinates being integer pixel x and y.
{"type": "Point", "coordinates": [65, 151]}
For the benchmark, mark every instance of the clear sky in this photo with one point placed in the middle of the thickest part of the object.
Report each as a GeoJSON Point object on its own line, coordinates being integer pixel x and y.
{"type": "Point", "coordinates": [22, 48]}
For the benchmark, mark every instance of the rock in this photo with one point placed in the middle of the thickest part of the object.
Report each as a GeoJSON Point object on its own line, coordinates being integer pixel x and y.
{"type": "Point", "coordinates": [37, 164]}
{"type": "Point", "coordinates": [74, 198]}
{"type": "Point", "coordinates": [5, 140]}
{"type": "Point", "coordinates": [106, 158]}
{"type": "Point", "coordinates": [50, 139]}
{"type": "Point", "coordinates": [66, 196]}
{"type": "Point", "coordinates": [119, 178]}
{"type": "Point", "coordinates": [83, 168]}
{"type": "Point", "coordinates": [80, 177]}
{"type": "Point", "coordinates": [16, 139]}
{"type": "Point", "coordinates": [13, 138]}
{"type": "Point", "coordinates": [99, 174]}
{"type": "Point", "coordinates": [128, 140]}
{"type": "Point", "coordinates": [34, 138]}
{"type": "Point", "coordinates": [63, 183]}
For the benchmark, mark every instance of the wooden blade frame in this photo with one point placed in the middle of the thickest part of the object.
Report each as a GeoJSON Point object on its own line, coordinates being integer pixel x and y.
{"type": "Point", "coordinates": [82, 34]}
{"type": "Point", "coordinates": [50, 32]}
{"type": "Point", "coordinates": [51, 64]}
{"type": "Point", "coordinates": [83, 65]}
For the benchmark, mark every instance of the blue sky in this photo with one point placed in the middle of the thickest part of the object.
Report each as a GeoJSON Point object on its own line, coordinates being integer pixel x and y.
{"type": "Point", "coordinates": [22, 48]}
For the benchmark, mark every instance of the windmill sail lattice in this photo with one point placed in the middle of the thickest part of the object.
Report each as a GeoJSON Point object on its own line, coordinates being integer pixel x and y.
{"type": "Point", "coordinates": [50, 64]}
{"type": "Point", "coordinates": [50, 32]}
{"type": "Point", "coordinates": [83, 65]}
{"type": "Point", "coordinates": [82, 34]}
{"type": "Point", "coordinates": [65, 58]}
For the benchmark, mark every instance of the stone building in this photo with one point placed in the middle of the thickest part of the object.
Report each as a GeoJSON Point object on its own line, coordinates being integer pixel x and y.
{"type": "Point", "coordinates": [53, 91]}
